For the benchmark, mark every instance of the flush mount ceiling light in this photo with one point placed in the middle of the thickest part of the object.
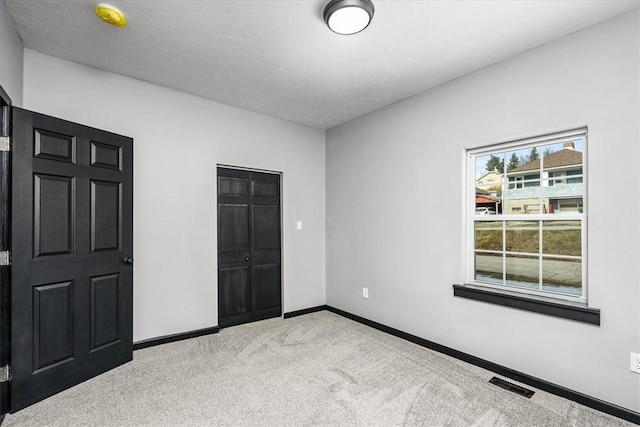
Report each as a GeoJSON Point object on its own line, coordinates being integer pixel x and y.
{"type": "Point", "coordinates": [348, 16]}
{"type": "Point", "coordinates": [111, 15]}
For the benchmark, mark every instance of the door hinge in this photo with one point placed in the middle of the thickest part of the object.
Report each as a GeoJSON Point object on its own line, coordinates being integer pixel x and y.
{"type": "Point", "coordinates": [5, 374]}
{"type": "Point", "coordinates": [5, 258]}
{"type": "Point", "coordinates": [5, 143]}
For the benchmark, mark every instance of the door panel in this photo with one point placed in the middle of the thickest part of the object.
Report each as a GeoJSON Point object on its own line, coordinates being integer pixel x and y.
{"type": "Point", "coordinates": [265, 188]}
{"type": "Point", "coordinates": [267, 287]}
{"type": "Point", "coordinates": [249, 259]}
{"type": "Point", "coordinates": [234, 288]}
{"type": "Point", "coordinates": [53, 146]}
{"type": "Point", "coordinates": [228, 186]}
{"type": "Point", "coordinates": [106, 156]}
{"type": "Point", "coordinates": [234, 227]}
{"type": "Point", "coordinates": [105, 216]}
{"type": "Point", "coordinates": [53, 223]}
{"type": "Point", "coordinates": [266, 227]}
{"type": "Point", "coordinates": [72, 292]}
{"type": "Point", "coordinates": [105, 310]}
{"type": "Point", "coordinates": [53, 309]}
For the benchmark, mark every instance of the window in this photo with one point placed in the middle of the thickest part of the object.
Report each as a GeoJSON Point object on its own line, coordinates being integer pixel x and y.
{"type": "Point", "coordinates": [535, 243]}
{"type": "Point", "coordinates": [516, 181]}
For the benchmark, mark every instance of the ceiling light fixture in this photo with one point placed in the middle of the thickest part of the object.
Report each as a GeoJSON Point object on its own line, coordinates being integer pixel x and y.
{"type": "Point", "coordinates": [348, 16]}
{"type": "Point", "coordinates": [111, 15]}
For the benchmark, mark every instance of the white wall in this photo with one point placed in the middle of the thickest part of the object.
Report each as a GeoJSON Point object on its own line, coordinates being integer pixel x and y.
{"type": "Point", "coordinates": [178, 140]}
{"type": "Point", "coordinates": [395, 209]}
{"type": "Point", "coordinates": [11, 61]}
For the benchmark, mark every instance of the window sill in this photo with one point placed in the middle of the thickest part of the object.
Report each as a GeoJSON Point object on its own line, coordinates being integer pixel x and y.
{"type": "Point", "coordinates": [572, 311]}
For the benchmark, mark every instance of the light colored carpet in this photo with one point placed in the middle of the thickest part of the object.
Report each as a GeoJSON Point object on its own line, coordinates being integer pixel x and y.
{"type": "Point", "coordinates": [313, 370]}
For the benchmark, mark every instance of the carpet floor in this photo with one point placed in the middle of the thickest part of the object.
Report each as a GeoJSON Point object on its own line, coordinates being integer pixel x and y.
{"type": "Point", "coordinates": [314, 370]}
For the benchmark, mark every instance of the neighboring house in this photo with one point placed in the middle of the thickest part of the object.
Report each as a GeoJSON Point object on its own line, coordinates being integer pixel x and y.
{"type": "Point", "coordinates": [560, 185]}
{"type": "Point", "coordinates": [490, 182]}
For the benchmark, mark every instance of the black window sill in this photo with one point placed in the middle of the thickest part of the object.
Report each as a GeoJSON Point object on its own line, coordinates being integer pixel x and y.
{"type": "Point", "coordinates": [572, 311]}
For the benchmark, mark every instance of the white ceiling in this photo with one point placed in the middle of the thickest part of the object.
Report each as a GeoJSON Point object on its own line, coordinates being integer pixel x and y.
{"type": "Point", "coordinates": [278, 57]}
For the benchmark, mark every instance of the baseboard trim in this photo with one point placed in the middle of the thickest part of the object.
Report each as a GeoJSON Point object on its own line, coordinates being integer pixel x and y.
{"type": "Point", "coordinates": [583, 399]}
{"type": "Point", "coordinates": [175, 337]}
{"type": "Point", "coordinates": [305, 311]}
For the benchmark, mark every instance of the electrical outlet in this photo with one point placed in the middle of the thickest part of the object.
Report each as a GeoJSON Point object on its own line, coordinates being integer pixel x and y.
{"type": "Point", "coordinates": [365, 292]}
{"type": "Point", "coordinates": [635, 363]}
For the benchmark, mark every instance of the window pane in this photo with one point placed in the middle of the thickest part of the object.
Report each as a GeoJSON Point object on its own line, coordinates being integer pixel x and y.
{"type": "Point", "coordinates": [489, 235]}
{"type": "Point", "coordinates": [523, 236]}
{"type": "Point", "coordinates": [562, 275]}
{"type": "Point", "coordinates": [522, 192]}
{"type": "Point", "coordinates": [523, 271]}
{"type": "Point", "coordinates": [488, 170]}
{"type": "Point", "coordinates": [563, 188]}
{"type": "Point", "coordinates": [562, 238]}
{"type": "Point", "coordinates": [488, 268]}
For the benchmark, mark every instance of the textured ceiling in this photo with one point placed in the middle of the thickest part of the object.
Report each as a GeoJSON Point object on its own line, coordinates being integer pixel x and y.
{"type": "Point", "coordinates": [279, 58]}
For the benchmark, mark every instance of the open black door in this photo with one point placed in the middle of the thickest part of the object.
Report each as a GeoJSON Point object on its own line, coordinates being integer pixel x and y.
{"type": "Point", "coordinates": [5, 244]}
{"type": "Point", "coordinates": [72, 243]}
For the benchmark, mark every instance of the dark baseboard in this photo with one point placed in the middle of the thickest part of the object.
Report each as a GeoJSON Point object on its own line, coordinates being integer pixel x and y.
{"type": "Point", "coordinates": [175, 337]}
{"type": "Point", "coordinates": [583, 399]}
{"type": "Point", "coordinates": [305, 311]}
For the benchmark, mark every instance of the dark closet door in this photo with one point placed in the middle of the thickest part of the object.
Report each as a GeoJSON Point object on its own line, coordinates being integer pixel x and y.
{"type": "Point", "coordinates": [249, 268]}
{"type": "Point", "coordinates": [72, 239]}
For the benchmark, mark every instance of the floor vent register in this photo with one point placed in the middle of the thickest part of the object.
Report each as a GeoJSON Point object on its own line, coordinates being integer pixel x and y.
{"type": "Point", "coordinates": [511, 387]}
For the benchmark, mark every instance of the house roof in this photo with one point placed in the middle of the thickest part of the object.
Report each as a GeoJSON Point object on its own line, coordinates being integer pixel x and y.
{"type": "Point", "coordinates": [483, 196]}
{"type": "Point", "coordinates": [564, 157]}
{"type": "Point", "coordinates": [487, 199]}
{"type": "Point", "coordinates": [493, 172]}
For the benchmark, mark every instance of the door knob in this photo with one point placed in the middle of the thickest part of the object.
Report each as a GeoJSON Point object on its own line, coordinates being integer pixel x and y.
{"type": "Point", "coordinates": [246, 258]}
{"type": "Point", "coordinates": [128, 260]}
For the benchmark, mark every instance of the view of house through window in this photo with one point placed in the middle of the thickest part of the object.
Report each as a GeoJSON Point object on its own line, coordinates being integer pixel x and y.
{"type": "Point", "coordinates": [528, 228]}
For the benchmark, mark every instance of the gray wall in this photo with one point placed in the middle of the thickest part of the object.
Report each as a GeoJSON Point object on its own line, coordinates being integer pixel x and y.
{"type": "Point", "coordinates": [395, 214]}
{"type": "Point", "coordinates": [11, 61]}
{"type": "Point", "coordinates": [179, 139]}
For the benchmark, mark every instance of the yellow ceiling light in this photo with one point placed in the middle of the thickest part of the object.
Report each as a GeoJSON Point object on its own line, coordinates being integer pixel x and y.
{"type": "Point", "coordinates": [111, 15]}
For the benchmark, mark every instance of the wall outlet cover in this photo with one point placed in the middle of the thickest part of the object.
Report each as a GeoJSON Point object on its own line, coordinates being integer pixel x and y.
{"type": "Point", "coordinates": [635, 363]}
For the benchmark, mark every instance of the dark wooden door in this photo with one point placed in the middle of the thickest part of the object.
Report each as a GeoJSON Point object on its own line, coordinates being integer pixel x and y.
{"type": "Point", "coordinates": [249, 267]}
{"type": "Point", "coordinates": [72, 239]}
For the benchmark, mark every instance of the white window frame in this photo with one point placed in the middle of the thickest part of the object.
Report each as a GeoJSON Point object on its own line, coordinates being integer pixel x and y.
{"type": "Point", "coordinates": [472, 218]}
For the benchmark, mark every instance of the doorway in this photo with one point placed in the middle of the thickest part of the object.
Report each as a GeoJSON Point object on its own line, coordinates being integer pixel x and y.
{"type": "Point", "coordinates": [5, 243]}
{"type": "Point", "coordinates": [249, 246]}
